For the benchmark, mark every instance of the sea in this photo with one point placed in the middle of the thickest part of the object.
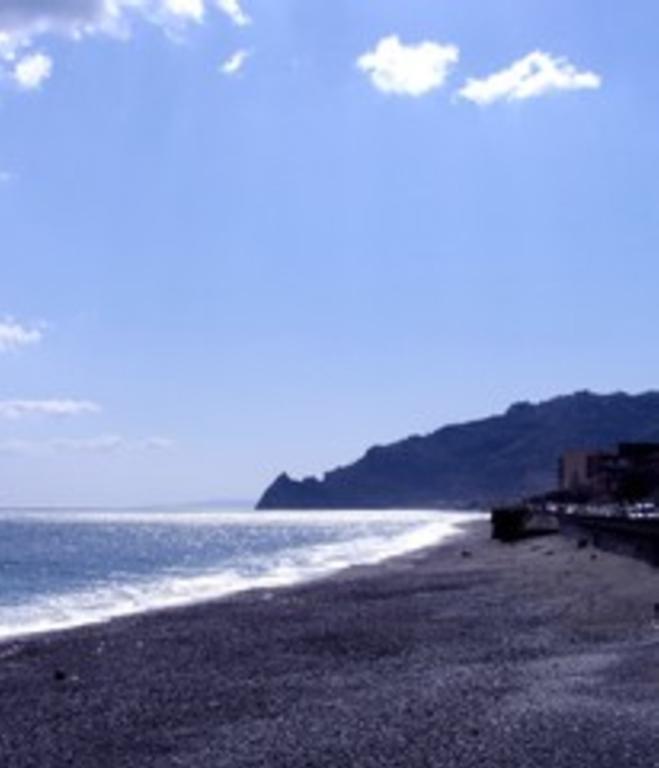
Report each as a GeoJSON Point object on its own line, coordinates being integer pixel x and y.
{"type": "Point", "coordinates": [61, 569]}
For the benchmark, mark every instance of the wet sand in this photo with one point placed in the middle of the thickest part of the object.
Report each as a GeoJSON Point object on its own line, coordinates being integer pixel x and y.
{"type": "Point", "coordinates": [469, 654]}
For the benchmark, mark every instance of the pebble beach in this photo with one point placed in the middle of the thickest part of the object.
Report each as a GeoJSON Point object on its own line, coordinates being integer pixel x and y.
{"type": "Point", "coordinates": [472, 653]}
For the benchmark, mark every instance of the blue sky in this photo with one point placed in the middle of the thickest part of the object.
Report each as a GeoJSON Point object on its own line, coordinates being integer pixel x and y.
{"type": "Point", "coordinates": [268, 236]}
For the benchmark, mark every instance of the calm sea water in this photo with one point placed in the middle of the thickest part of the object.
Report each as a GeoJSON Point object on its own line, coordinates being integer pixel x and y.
{"type": "Point", "coordinates": [64, 569]}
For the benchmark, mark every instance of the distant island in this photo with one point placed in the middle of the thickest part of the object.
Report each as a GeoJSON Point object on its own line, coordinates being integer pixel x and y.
{"type": "Point", "coordinates": [477, 463]}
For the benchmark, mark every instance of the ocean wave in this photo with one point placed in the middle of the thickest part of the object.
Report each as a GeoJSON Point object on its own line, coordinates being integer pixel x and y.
{"type": "Point", "coordinates": [125, 598]}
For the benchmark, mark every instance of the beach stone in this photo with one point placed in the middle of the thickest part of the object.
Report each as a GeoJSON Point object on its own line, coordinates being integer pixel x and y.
{"type": "Point", "coordinates": [506, 660]}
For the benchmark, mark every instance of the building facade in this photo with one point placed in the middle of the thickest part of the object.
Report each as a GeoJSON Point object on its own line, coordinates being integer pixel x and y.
{"type": "Point", "coordinates": [631, 473]}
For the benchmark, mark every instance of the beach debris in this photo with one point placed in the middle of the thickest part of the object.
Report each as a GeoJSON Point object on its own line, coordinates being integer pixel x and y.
{"type": "Point", "coordinates": [59, 675]}
{"type": "Point", "coordinates": [582, 543]}
{"type": "Point", "coordinates": [467, 553]}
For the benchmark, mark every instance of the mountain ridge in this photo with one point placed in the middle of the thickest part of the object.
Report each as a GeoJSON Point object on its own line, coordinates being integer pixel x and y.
{"type": "Point", "coordinates": [476, 463]}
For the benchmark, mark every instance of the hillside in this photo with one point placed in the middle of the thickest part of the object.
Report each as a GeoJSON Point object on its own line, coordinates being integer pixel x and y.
{"type": "Point", "coordinates": [495, 459]}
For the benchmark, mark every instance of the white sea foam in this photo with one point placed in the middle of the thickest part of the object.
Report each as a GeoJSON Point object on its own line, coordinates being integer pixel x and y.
{"type": "Point", "coordinates": [119, 598]}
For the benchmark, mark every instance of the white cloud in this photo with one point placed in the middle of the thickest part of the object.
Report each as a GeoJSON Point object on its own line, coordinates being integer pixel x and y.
{"type": "Point", "coordinates": [111, 444]}
{"type": "Point", "coordinates": [102, 444]}
{"type": "Point", "coordinates": [535, 75]}
{"type": "Point", "coordinates": [14, 335]}
{"type": "Point", "coordinates": [18, 409]}
{"type": "Point", "coordinates": [31, 71]}
{"type": "Point", "coordinates": [6, 177]}
{"type": "Point", "coordinates": [23, 22]}
{"type": "Point", "coordinates": [408, 70]}
{"type": "Point", "coordinates": [234, 11]}
{"type": "Point", "coordinates": [235, 63]}
{"type": "Point", "coordinates": [186, 9]}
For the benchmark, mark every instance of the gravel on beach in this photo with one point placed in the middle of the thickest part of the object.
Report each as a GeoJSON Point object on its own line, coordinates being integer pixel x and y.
{"type": "Point", "coordinates": [474, 653]}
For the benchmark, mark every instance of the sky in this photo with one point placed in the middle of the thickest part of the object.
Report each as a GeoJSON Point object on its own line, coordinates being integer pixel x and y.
{"type": "Point", "coordinates": [243, 238]}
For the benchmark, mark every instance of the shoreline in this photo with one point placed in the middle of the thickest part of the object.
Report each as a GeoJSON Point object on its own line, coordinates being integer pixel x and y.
{"type": "Point", "coordinates": [210, 593]}
{"type": "Point", "coordinates": [467, 653]}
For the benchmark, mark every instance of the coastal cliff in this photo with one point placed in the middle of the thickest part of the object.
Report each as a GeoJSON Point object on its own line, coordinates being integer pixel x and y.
{"type": "Point", "coordinates": [477, 463]}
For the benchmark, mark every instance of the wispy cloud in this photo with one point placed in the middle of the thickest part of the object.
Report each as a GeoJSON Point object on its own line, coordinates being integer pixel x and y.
{"type": "Point", "coordinates": [24, 22]}
{"type": "Point", "coordinates": [408, 70]}
{"type": "Point", "coordinates": [111, 444]}
{"type": "Point", "coordinates": [32, 71]}
{"type": "Point", "coordinates": [101, 444]}
{"type": "Point", "coordinates": [235, 63]}
{"type": "Point", "coordinates": [234, 11]}
{"type": "Point", "coordinates": [14, 335]}
{"type": "Point", "coordinates": [186, 9]}
{"type": "Point", "coordinates": [18, 409]}
{"type": "Point", "coordinates": [535, 75]}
